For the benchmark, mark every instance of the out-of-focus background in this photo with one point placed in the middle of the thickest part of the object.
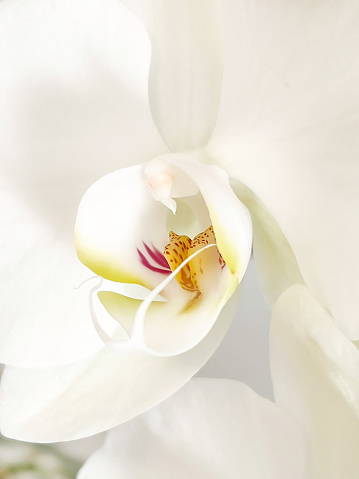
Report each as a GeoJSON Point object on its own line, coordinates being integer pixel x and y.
{"type": "Point", "coordinates": [243, 356]}
{"type": "Point", "coordinates": [244, 352]}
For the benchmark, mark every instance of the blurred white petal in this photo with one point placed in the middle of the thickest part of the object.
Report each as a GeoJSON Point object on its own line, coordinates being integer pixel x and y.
{"type": "Point", "coordinates": [211, 428]}
{"type": "Point", "coordinates": [287, 128]}
{"type": "Point", "coordinates": [315, 378]}
{"type": "Point", "coordinates": [186, 67]}
{"type": "Point", "coordinates": [74, 94]}
{"type": "Point", "coordinates": [70, 402]}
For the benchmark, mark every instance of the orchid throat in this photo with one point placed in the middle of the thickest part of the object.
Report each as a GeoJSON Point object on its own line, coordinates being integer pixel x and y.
{"type": "Point", "coordinates": [180, 248]}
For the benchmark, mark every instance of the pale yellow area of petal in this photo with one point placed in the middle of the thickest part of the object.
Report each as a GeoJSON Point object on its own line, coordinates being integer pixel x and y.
{"type": "Point", "coordinates": [123, 309]}
{"type": "Point", "coordinates": [115, 217]}
{"type": "Point", "coordinates": [228, 249]}
{"type": "Point", "coordinates": [102, 266]}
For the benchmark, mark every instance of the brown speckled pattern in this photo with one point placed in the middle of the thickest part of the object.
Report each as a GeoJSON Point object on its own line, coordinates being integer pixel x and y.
{"type": "Point", "coordinates": [180, 248]}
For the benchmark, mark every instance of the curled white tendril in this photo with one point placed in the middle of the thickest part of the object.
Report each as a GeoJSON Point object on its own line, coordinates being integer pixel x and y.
{"type": "Point", "coordinates": [136, 341]}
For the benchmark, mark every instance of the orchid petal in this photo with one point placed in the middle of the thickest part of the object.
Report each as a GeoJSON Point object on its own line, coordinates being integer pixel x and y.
{"type": "Point", "coordinates": [84, 398]}
{"type": "Point", "coordinates": [212, 428]}
{"type": "Point", "coordinates": [315, 378]}
{"type": "Point", "coordinates": [186, 68]}
{"type": "Point", "coordinates": [74, 99]}
{"type": "Point", "coordinates": [45, 318]}
{"type": "Point", "coordinates": [115, 221]}
{"type": "Point", "coordinates": [288, 127]}
{"type": "Point", "coordinates": [275, 261]}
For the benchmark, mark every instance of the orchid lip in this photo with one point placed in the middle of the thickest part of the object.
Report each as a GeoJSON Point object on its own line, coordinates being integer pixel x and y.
{"type": "Point", "coordinates": [138, 331]}
{"type": "Point", "coordinates": [194, 274]}
{"type": "Point", "coordinates": [176, 253]}
{"type": "Point", "coordinates": [137, 340]}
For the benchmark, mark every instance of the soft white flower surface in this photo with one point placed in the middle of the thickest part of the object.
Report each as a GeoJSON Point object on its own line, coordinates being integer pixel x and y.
{"type": "Point", "coordinates": [279, 114]}
{"type": "Point", "coordinates": [210, 428]}
{"type": "Point", "coordinates": [81, 399]}
{"type": "Point", "coordinates": [315, 378]}
{"type": "Point", "coordinates": [288, 128]}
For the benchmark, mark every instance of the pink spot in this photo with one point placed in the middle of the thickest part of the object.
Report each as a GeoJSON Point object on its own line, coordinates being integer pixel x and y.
{"type": "Point", "coordinates": [156, 255]}
{"type": "Point", "coordinates": [160, 264]}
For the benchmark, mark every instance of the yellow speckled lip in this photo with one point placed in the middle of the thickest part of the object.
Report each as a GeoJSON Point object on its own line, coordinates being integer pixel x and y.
{"type": "Point", "coordinates": [180, 247]}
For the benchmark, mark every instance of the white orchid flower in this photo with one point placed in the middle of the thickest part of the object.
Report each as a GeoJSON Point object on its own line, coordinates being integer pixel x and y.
{"type": "Point", "coordinates": [242, 108]}
{"type": "Point", "coordinates": [129, 245]}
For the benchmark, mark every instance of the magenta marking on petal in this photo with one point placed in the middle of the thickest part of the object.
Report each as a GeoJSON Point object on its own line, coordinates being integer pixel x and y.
{"type": "Point", "coordinates": [146, 263]}
{"type": "Point", "coordinates": [157, 256]}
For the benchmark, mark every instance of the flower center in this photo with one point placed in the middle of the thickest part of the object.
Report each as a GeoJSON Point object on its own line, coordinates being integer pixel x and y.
{"type": "Point", "coordinates": [192, 276]}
